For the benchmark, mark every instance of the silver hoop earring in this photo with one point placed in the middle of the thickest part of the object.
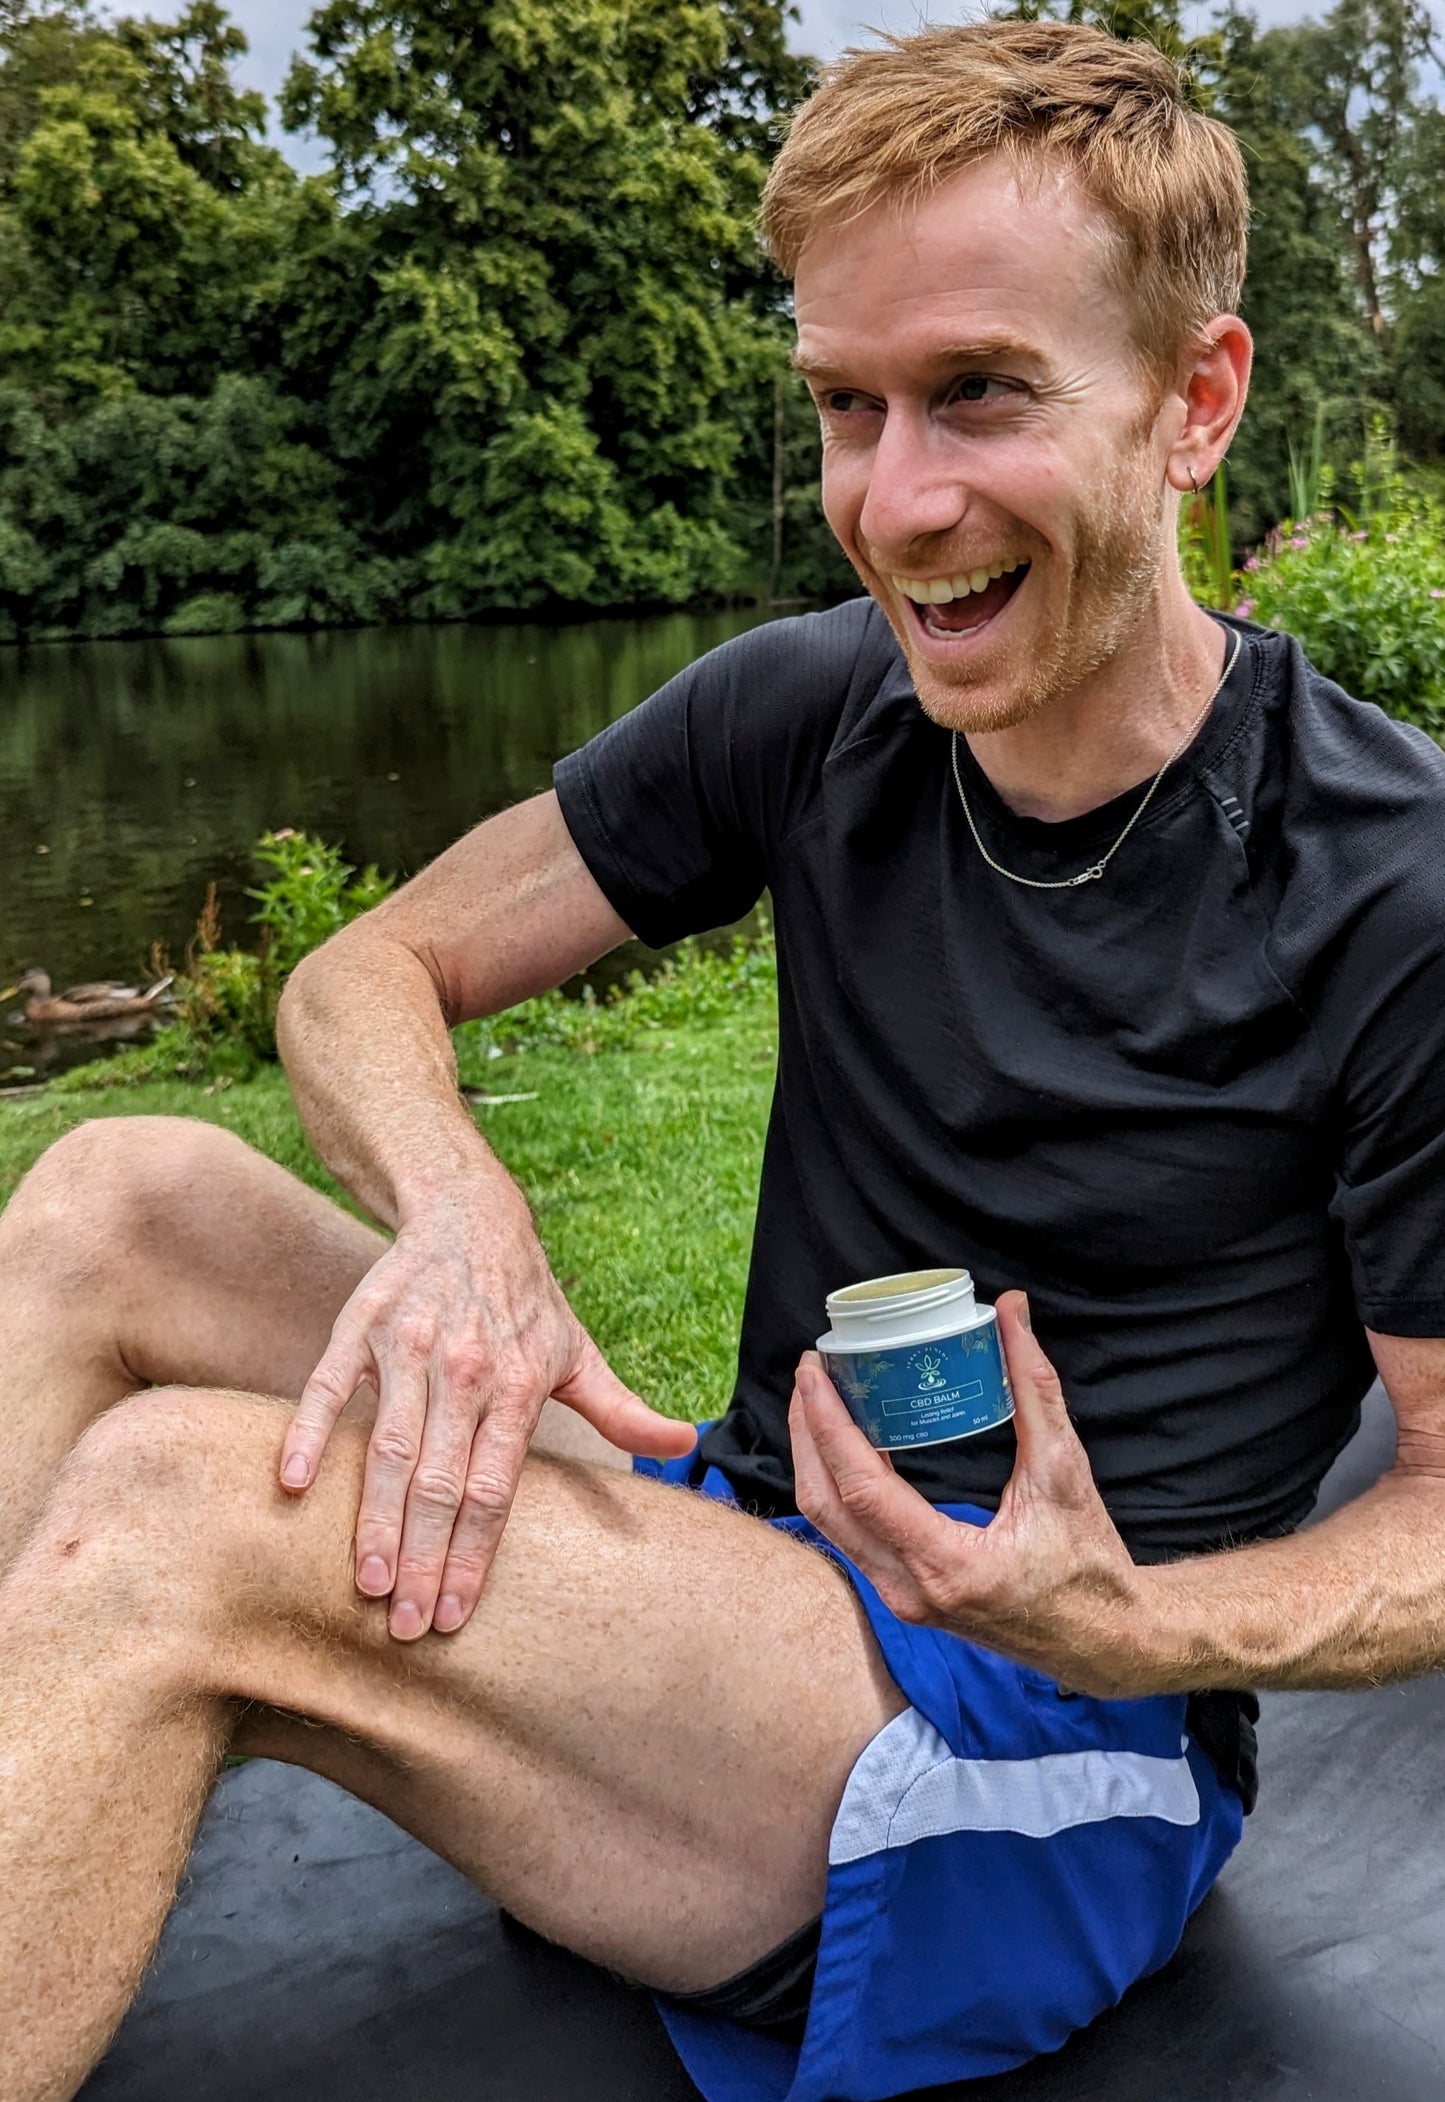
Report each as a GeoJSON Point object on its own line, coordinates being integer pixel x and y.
{"type": "Point", "coordinates": [1192, 483]}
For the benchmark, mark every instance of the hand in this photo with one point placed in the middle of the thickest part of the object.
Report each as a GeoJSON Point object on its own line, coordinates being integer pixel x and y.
{"type": "Point", "coordinates": [463, 1332]}
{"type": "Point", "coordinates": [1048, 1581]}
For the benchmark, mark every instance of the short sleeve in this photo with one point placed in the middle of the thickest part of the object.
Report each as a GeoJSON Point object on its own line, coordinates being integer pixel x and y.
{"type": "Point", "coordinates": [1385, 1020]}
{"type": "Point", "coordinates": [678, 807]}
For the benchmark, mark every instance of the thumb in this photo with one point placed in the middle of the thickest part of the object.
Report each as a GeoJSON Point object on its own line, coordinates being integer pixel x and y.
{"type": "Point", "coordinates": [1041, 1415]}
{"type": "Point", "coordinates": [593, 1389]}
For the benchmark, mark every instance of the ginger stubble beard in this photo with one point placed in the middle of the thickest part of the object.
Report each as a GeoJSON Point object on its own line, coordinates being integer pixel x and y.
{"type": "Point", "coordinates": [1113, 578]}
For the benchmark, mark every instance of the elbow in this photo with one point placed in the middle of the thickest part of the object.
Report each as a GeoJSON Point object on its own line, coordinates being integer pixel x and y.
{"type": "Point", "coordinates": [314, 990]}
{"type": "Point", "coordinates": [359, 970]}
{"type": "Point", "coordinates": [298, 1005]}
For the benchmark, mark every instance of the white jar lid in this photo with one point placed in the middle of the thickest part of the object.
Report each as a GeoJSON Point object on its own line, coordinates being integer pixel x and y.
{"type": "Point", "coordinates": [883, 1308]}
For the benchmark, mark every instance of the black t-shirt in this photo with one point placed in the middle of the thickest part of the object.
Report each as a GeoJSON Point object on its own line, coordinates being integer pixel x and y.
{"type": "Point", "coordinates": [1197, 1108]}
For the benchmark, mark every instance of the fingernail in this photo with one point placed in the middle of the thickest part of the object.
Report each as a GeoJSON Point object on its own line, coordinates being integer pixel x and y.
{"type": "Point", "coordinates": [406, 1620]}
{"type": "Point", "coordinates": [373, 1576]}
{"type": "Point", "coordinates": [295, 1474]}
{"type": "Point", "coordinates": [448, 1614]}
{"type": "Point", "coordinates": [1025, 1317]}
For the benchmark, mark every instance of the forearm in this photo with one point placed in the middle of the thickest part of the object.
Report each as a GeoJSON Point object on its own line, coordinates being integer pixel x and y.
{"type": "Point", "coordinates": [1354, 1601]}
{"type": "Point", "coordinates": [365, 1043]}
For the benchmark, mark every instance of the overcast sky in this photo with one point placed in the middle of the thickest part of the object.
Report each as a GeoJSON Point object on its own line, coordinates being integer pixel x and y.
{"type": "Point", "coordinates": [275, 29]}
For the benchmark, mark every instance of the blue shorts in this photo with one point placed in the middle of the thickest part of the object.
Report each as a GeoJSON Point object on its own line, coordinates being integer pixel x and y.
{"type": "Point", "coordinates": [1006, 1861]}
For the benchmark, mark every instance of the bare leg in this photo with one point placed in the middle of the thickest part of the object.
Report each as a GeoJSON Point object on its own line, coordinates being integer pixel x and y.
{"type": "Point", "coordinates": [156, 1250]}
{"type": "Point", "coordinates": [638, 1743]}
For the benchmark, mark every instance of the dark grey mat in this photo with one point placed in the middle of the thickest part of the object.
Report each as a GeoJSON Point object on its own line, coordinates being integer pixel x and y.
{"type": "Point", "coordinates": [318, 1953]}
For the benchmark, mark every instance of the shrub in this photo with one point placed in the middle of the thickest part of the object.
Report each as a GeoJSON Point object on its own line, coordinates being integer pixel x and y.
{"type": "Point", "coordinates": [1363, 591]}
{"type": "Point", "coordinates": [226, 1018]}
{"type": "Point", "coordinates": [230, 995]}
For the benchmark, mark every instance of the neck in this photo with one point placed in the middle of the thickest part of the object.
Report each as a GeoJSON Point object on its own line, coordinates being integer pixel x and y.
{"type": "Point", "coordinates": [1115, 729]}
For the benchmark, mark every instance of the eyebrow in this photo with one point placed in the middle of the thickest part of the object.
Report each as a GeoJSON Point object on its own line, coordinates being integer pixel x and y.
{"type": "Point", "coordinates": [979, 351]}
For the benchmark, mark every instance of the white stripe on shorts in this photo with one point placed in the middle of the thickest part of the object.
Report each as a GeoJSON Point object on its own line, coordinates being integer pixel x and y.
{"type": "Point", "coordinates": [908, 1785]}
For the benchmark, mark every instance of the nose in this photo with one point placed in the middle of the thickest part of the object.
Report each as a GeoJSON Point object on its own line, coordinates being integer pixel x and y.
{"type": "Point", "coordinates": [915, 490]}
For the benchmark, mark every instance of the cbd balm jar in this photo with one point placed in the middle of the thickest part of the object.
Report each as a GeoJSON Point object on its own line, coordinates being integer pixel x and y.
{"type": "Point", "coordinates": [916, 1359]}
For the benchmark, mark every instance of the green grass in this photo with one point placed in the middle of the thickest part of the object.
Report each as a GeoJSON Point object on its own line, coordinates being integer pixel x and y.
{"type": "Point", "coordinates": [640, 1157]}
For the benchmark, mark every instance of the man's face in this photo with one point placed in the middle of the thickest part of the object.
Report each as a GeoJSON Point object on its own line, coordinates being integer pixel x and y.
{"type": "Point", "coordinates": [981, 409]}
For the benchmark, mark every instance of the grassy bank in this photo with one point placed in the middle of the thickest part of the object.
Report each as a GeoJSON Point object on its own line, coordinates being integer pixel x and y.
{"type": "Point", "coordinates": [638, 1148]}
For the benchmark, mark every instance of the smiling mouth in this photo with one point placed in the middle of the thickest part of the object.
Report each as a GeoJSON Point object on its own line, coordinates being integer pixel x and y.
{"type": "Point", "coordinates": [947, 607]}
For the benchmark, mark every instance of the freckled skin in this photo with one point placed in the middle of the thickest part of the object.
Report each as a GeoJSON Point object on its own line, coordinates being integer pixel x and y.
{"type": "Point", "coordinates": [1088, 677]}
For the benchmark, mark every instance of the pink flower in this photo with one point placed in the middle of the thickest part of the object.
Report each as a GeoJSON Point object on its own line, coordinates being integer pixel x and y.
{"type": "Point", "coordinates": [1358, 537]}
{"type": "Point", "coordinates": [1251, 563]}
{"type": "Point", "coordinates": [1299, 539]}
{"type": "Point", "coordinates": [1244, 609]}
{"type": "Point", "coordinates": [1437, 594]}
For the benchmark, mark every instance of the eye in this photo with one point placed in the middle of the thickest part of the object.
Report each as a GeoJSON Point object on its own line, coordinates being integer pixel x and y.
{"type": "Point", "coordinates": [843, 401]}
{"type": "Point", "coordinates": [971, 387]}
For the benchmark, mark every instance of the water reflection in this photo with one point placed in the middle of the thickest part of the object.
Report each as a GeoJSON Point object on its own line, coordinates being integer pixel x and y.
{"type": "Point", "coordinates": [131, 773]}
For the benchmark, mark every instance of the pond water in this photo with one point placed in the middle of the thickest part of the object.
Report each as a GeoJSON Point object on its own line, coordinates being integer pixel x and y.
{"type": "Point", "coordinates": [134, 773]}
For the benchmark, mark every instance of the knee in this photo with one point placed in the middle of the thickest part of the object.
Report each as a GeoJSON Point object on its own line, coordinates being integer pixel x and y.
{"type": "Point", "coordinates": [142, 1516]}
{"type": "Point", "coordinates": [115, 1192]}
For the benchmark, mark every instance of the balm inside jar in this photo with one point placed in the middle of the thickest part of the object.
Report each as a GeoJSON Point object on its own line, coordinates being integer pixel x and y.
{"type": "Point", "coordinates": [916, 1359]}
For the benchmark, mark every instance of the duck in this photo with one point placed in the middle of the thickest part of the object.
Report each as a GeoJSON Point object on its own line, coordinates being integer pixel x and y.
{"type": "Point", "coordinates": [108, 1000]}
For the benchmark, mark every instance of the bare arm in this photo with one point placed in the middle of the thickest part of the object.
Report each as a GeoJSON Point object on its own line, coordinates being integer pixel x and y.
{"type": "Point", "coordinates": [1358, 1599]}
{"type": "Point", "coordinates": [509, 911]}
{"type": "Point", "coordinates": [460, 1327]}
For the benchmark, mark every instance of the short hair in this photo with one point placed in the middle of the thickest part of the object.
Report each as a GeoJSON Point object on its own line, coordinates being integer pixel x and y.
{"type": "Point", "coordinates": [894, 121]}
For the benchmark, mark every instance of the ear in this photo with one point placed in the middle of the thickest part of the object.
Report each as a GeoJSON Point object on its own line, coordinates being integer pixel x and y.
{"type": "Point", "coordinates": [1208, 401]}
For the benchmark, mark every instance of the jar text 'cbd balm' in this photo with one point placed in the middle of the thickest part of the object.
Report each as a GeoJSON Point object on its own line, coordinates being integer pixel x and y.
{"type": "Point", "coordinates": [916, 1359]}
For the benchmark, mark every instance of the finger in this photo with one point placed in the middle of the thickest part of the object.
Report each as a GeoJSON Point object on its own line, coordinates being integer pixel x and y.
{"type": "Point", "coordinates": [871, 1492]}
{"type": "Point", "coordinates": [492, 1472]}
{"type": "Point", "coordinates": [819, 1501]}
{"type": "Point", "coordinates": [433, 1498]}
{"type": "Point", "coordinates": [345, 1365]}
{"type": "Point", "coordinates": [392, 1454]}
{"type": "Point", "coordinates": [1041, 1415]}
{"type": "Point", "coordinates": [850, 1491]}
{"type": "Point", "coordinates": [593, 1389]}
{"type": "Point", "coordinates": [487, 1497]}
{"type": "Point", "coordinates": [889, 1575]}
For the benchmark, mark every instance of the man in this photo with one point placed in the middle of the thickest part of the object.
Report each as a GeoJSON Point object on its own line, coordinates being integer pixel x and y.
{"type": "Point", "coordinates": [1110, 964]}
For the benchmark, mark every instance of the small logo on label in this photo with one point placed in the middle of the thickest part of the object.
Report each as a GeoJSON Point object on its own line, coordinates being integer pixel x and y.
{"type": "Point", "coordinates": [928, 1364]}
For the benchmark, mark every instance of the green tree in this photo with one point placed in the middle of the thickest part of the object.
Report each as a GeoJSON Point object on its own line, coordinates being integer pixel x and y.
{"type": "Point", "coordinates": [511, 349]}
{"type": "Point", "coordinates": [1315, 352]}
{"type": "Point", "coordinates": [1354, 81]}
{"type": "Point", "coordinates": [1354, 90]}
{"type": "Point", "coordinates": [561, 310]}
{"type": "Point", "coordinates": [138, 210]}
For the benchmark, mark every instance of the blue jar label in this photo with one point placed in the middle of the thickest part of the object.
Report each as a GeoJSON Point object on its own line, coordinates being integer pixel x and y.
{"type": "Point", "coordinates": [925, 1393]}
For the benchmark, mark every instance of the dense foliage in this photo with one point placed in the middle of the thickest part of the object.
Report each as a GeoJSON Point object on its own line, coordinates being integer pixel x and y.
{"type": "Point", "coordinates": [516, 346]}
{"type": "Point", "coordinates": [513, 347]}
{"type": "Point", "coordinates": [1364, 590]}
{"type": "Point", "coordinates": [228, 996]}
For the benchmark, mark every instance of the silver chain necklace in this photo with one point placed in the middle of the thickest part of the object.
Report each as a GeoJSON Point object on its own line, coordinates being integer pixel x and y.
{"type": "Point", "coordinates": [1097, 868]}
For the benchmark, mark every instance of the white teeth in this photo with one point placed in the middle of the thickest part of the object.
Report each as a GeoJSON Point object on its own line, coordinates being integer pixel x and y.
{"type": "Point", "coordinates": [937, 591]}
